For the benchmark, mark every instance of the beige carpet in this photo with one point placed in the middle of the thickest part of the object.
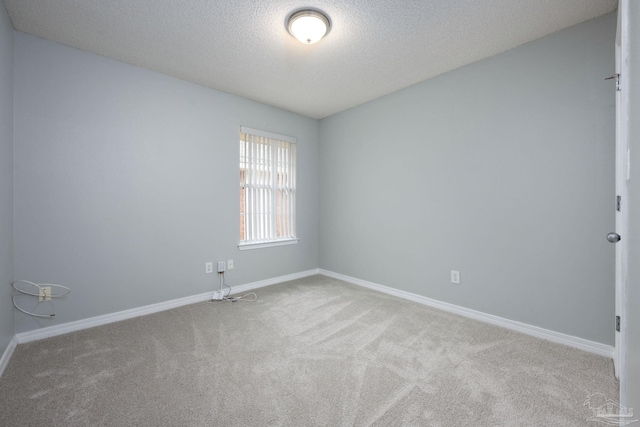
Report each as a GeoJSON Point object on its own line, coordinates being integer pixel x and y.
{"type": "Point", "coordinates": [311, 352]}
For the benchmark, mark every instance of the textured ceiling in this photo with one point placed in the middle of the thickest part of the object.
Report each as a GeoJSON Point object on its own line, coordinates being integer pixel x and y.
{"type": "Point", "coordinates": [375, 47]}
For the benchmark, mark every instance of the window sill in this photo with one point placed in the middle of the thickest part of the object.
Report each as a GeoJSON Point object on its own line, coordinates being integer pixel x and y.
{"type": "Point", "coordinates": [268, 244]}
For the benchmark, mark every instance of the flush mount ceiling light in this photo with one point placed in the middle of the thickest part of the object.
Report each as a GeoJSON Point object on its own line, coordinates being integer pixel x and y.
{"type": "Point", "coordinates": [308, 25]}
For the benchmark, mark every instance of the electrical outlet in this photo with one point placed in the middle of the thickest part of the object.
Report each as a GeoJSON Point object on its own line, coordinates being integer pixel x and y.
{"type": "Point", "coordinates": [455, 277]}
{"type": "Point", "coordinates": [221, 267]}
{"type": "Point", "coordinates": [230, 264]}
{"type": "Point", "coordinates": [208, 267]}
{"type": "Point", "coordinates": [45, 293]}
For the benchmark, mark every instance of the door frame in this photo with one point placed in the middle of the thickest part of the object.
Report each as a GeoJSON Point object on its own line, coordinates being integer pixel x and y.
{"type": "Point", "coordinates": [621, 178]}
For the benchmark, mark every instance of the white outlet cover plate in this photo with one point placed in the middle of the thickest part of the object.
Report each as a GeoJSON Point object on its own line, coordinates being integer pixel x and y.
{"type": "Point", "coordinates": [455, 277]}
{"type": "Point", "coordinates": [45, 293]}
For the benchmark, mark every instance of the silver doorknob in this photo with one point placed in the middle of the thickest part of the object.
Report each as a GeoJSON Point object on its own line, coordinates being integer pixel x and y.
{"type": "Point", "coordinates": [613, 237]}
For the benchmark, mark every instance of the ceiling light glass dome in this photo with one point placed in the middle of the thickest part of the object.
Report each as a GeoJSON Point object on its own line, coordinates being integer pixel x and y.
{"type": "Point", "coordinates": [308, 26]}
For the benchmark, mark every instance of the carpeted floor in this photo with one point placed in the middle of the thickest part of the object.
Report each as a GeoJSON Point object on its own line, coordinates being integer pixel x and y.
{"type": "Point", "coordinates": [311, 352]}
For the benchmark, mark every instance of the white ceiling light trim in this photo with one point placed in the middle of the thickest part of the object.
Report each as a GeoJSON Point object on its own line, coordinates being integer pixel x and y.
{"type": "Point", "coordinates": [308, 25]}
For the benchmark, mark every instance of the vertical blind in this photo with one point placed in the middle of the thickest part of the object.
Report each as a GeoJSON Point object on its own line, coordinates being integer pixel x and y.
{"type": "Point", "coordinates": [267, 186]}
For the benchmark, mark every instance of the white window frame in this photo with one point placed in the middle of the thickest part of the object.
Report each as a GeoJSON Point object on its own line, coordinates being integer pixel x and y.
{"type": "Point", "coordinates": [261, 228]}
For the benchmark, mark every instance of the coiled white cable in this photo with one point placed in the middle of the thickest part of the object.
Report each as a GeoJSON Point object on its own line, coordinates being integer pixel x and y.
{"type": "Point", "coordinates": [40, 287]}
{"type": "Point", "coordinates": [227, 297]}
{"type": "Point", "coordinates": [241, 298]}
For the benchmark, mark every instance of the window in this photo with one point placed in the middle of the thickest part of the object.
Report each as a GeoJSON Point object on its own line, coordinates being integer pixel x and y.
{"type": "Point", "coordinates": [267, 189]}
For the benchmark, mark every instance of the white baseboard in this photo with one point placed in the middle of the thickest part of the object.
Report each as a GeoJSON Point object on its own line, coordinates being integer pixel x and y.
{"type": "Point", "coordinates": [4, 361]}
{"type": "Point", "coordinates": [268, 282]}
{"type": "Point", "coordinates": [557, 337]}
{"type": "Point", "coordinates": [52, 331]}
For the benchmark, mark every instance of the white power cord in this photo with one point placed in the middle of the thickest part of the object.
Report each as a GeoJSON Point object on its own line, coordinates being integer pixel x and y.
{"type": "Point", "coordinates": [40, 287]}
{"type": "Point", "coordinates": [241, 298]}
{"type": "Point", "coordinates": [218, 296]}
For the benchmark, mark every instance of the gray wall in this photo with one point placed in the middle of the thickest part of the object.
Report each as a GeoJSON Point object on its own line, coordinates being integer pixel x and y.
{"type": "Point", "coordinates": [503, 170]}
{"type": "Point", "coordinates": [127, 183]}
{"type": "Point", "coordinates": [6, 178]}
{"type": "Point", "coordinates": [633, 281]}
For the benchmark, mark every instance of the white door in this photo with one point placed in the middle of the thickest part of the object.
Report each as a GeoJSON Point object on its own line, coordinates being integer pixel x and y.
{"type": "Point", "coordinates": [622, 176]}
